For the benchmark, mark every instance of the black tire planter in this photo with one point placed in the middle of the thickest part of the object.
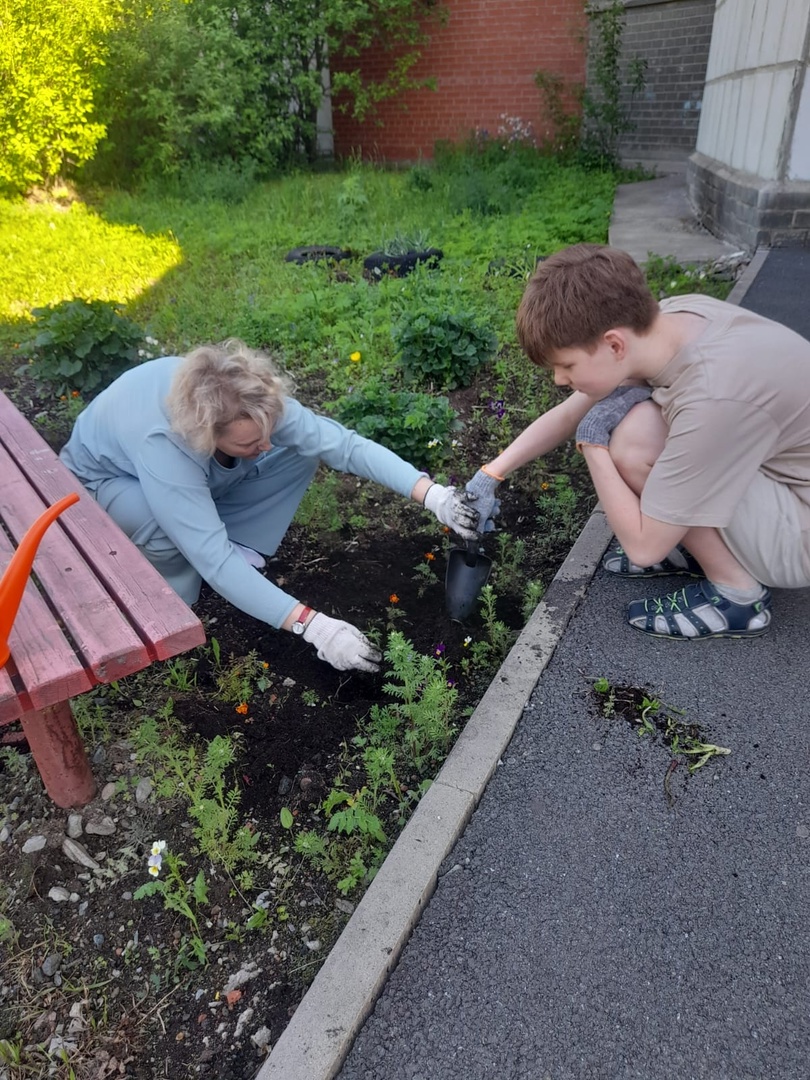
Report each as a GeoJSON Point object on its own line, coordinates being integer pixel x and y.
{"type": "Point", "coordinates": [316, 253]}
{"type": "Point", "coordinates": [380, 264]}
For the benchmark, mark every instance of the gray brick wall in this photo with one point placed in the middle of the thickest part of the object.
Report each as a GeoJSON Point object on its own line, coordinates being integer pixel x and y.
{"type": "Point", "coordinates": [740, 208]}
{"type": "Point", "coordinates": [673, 36]}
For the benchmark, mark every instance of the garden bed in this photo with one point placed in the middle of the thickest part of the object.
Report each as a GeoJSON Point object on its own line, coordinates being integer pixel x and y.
{"type": "Point", "coordinates": [124, 986]}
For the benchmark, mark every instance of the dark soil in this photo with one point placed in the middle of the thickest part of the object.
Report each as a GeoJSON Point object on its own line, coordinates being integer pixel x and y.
{"type": "Point", "coordinates": [125, 998]}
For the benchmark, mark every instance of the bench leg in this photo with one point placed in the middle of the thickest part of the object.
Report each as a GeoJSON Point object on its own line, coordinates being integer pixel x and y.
{"type": "Point", "coordinates": [59, 754]}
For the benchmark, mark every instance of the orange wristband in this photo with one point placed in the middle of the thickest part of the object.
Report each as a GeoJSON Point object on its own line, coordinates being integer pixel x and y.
{"type": "Point", "coordinates": [494, 476]}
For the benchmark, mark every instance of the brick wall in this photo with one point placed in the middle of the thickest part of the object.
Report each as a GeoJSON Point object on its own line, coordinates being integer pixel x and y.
{"type": "Point", "coordinates": [673, 36]}
{"type": "Point", "coordinates": [483, 59]}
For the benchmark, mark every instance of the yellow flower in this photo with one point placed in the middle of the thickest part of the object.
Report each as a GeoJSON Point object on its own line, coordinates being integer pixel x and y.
{"type": "Point", "coordinates": [544, 486]}
{"type": "Point", "coordinates": [265, 665]}
{"type": "Point", "coordinates": [242, 707]}
{"type": "Point", "coordinates": [154, 870]}
{"type": "Point", "coordinates": [356, 357]}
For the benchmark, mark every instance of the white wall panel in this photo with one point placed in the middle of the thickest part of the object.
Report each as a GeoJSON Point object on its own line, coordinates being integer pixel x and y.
{"type": "Point", "coordinates": [799, 167]}
{"type": "Point", "coordinates": [755, 57]}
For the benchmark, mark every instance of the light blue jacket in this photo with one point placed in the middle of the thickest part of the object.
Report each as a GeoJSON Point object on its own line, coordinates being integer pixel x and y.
{"type": "Point", "coordinates": [125, 432]}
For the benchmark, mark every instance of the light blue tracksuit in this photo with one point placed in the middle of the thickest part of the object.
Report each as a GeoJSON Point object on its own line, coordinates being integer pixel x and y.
{"type": "Point", "coordinates": [182, 508]}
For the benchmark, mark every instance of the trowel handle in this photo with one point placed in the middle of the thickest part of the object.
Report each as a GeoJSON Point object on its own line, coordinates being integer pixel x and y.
{"type": "Point", "coordinates": [471, 557]}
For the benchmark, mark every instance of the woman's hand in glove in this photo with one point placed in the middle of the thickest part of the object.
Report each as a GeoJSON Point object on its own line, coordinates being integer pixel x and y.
{"type": "Point", "coordinates": [597, 424]}
{"type": "Point", "coordinates": [452, 510]}
{"type": "Point", "coordinates": [341, 644]}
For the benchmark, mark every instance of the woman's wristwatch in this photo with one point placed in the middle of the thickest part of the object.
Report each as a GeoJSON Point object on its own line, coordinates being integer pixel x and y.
{"type": "Point", "coordinates": [300, 624]}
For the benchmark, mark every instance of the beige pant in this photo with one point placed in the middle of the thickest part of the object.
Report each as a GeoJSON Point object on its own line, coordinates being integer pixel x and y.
{"type": "Point", "coordinates": [770, 535]}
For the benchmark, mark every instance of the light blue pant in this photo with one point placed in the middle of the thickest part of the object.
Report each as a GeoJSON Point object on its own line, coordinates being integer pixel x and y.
{"type": "Point", "coordinates": [256, 512]}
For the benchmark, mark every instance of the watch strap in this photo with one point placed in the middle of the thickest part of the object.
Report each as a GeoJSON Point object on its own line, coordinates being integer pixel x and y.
{"type": "Point", "coordinates": [300, 623]}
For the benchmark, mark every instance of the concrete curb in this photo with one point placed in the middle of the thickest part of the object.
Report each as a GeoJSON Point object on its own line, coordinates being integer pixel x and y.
{"type": "Point", "coordinates": [748, 276]}
{"type": "Point", "coordinates": [316, 1041]}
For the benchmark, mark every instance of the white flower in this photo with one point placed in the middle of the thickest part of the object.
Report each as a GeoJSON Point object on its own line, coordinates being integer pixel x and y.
{"type": "Point", "coordinates": [150, 340]}
{"type": "Point", "coordinates": [434, 443]}
{"type": "Point", "coordinates": [158, 847]}
{"type": "Point", "coordinates": [467, 641]}
{"type": "Point", "coordinates": [154, 870]}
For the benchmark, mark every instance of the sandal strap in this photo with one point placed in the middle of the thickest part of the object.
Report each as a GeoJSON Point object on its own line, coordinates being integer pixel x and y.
{"type": "Point", "coordinates": [683, 602]}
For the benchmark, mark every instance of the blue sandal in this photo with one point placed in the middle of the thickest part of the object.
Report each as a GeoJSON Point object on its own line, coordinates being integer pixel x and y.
{"type": "Point", "coordinates": [698, 611]}
{"type": "Point", "coordinates": [617, 562]}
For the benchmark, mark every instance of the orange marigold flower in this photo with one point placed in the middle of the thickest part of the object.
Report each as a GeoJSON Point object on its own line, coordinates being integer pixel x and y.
{"type": "Point", "coordinates": [445, 528]}
{"type": "Point", "coordinates": [394, 598]}
{"type": "Point", "coordinates": [265, 665]}
{"type": "Point", "coordinates": [544, 486]}
{"type": "Point", "coordinates": [429, 556]}
{"type": "Point", "coordinates": [74, 393]}
{"type": "Point", "coordinates": [242, 707]}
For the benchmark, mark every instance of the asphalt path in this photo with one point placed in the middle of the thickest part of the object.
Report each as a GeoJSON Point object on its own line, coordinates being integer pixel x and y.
{"type": "Point", "coordinates": [589, 925]}
{"type": "Point", "coordinates": [603, 916]}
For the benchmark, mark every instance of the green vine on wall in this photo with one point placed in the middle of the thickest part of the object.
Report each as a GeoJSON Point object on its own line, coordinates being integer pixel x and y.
{"type": "Point", "coordinates": [601, 113]}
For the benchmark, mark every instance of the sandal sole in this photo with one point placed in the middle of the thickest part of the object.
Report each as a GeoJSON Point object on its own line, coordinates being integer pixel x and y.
{"type": "Point", "coordinates": [701, 637]}
{"type": "Point", "coordinates": [654, 573]}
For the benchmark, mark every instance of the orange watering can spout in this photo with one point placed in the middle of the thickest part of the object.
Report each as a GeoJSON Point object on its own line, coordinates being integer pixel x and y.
{"type": "Point", "coordinates": [15, 578]}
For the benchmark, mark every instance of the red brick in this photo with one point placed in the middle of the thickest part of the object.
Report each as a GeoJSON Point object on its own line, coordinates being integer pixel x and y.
{"type": "Point", "coordinates": [484, 60]}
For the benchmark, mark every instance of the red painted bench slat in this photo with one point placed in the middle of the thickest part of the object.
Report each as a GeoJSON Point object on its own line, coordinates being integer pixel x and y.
{"type": "Point", "coordinates": [163, 621]}
{"type": "Point", "coordinates": [93, 609]}
{"type": "Point", "coordinates": [108, 645]}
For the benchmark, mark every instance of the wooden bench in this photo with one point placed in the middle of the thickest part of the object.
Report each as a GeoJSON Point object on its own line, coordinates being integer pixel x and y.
{"type": "Point", "coordinates": [94, 610]}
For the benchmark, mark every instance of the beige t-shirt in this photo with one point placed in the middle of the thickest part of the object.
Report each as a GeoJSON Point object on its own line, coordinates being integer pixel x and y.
{"type": "Point", "coordinates": [737, 403]}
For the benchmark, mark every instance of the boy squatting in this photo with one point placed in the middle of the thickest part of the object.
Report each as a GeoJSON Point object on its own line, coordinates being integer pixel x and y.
{"type": "Point", "coordinates": [693, 416]}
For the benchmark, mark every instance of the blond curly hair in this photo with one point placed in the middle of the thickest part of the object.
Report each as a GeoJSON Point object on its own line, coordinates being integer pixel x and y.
{"type": "Point", "coordinates": [217, 384]}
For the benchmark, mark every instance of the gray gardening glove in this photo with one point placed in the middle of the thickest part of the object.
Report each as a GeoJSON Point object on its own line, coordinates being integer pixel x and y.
{"type": "Point", "coordinates": [341, 644]}
{"type": "Point", "coordinates": [452, 510]}
{"type": "Point", "coordinates": [597, 424]}
{"type": "Point", "coordinates": [481, 491]}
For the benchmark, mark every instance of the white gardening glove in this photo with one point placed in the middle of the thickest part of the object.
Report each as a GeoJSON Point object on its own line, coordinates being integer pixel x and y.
{"type": "Point", "coordinates": [341, 644]}
{"type": "Point", "coordinates": [452, 510]}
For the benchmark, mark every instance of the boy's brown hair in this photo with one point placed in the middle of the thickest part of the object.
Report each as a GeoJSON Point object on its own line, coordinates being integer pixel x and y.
{"type": "Point", "coordinates": [578, 294]}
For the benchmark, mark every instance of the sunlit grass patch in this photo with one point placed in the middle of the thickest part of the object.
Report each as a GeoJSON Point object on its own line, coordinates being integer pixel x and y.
{"type": "Point", "coordinates": [50, 253]}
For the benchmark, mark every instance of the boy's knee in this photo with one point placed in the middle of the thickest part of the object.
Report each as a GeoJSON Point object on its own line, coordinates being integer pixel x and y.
{"type": "Point", "coordinates": [637, 441]}
{"type": "Point", "coordinates": [640, 436]}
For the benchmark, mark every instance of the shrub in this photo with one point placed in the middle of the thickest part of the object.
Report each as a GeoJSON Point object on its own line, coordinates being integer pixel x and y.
{"type": "Point", "coordinates": [176, 90]}
{"type": "Point", "coordinates": [416, 426]}
{"type": "Point", "coordinates": [50, 54]}
{"type": "Point", "coordinates": [437, 347]}
{"type": "Point", "coordinates": [81, 345]}
{"type": "Point", "coordinates": [240, 81]}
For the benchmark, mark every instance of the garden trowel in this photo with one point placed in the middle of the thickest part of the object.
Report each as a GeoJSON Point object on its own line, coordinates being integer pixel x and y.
{"type": "Point", "coordinates": [468, 570]}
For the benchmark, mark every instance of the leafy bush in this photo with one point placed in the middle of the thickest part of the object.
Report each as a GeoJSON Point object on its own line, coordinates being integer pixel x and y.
{"type": "Point", "coordinates": [416, 426]}
{"type": "Point", "coordinates": [176, 89]}
{"type": "Point", "coordinates": [81, 345]}
{"type": "Point", "coordinates": [50, 54]}
{"type": "Point", "coordinates": [437, 347]}
{"type": "Point", "coordinates": [240, 81]}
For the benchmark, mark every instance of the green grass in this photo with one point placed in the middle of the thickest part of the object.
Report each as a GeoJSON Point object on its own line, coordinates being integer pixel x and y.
{"type": "Point", "coordinates": [193, 269]}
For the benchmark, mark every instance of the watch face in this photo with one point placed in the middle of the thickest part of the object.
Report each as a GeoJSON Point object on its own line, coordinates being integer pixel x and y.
{"type": "Point", "coordinates": [298, 628]}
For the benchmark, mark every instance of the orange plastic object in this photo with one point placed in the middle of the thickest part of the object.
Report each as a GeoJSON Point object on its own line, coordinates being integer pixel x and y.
{"type": "Point", "coordinates": [15, 578]}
